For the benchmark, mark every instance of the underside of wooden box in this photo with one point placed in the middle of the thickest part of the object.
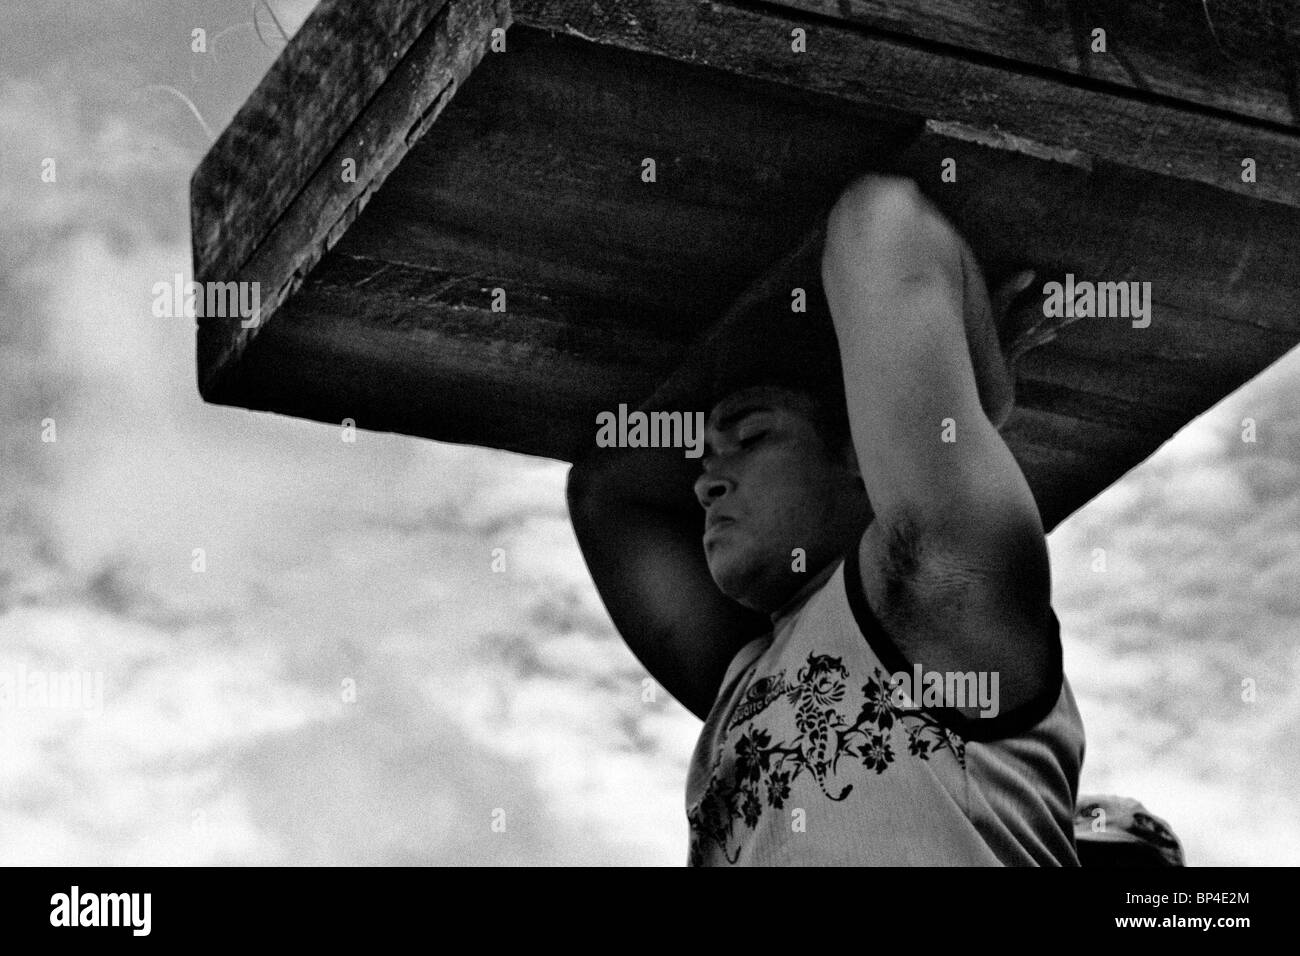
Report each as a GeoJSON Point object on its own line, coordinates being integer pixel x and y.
{"type": "Point", "coordinates": [479, 168]}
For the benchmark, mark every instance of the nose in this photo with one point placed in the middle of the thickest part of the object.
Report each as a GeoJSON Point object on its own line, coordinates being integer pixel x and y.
{"type": "Point", "coordinates": [710, 487]}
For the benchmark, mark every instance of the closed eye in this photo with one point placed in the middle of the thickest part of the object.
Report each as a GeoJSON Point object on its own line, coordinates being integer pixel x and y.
{"type": "Point", "coordinates": [749, 440]}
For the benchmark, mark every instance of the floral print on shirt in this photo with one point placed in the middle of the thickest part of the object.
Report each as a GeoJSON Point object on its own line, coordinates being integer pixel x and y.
{"type": "Point", "coordinates": [764, 770]}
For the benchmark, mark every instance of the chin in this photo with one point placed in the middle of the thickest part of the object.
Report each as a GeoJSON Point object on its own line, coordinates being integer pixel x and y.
{"type": "Point", "coordinates": [744, 579]}
{"type": "Point", "coordinates": [732, 572]}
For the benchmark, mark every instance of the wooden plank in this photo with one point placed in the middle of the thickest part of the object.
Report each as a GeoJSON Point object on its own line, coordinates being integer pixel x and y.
{"type": "Point", "coordinates": [549, 132]}
{"type": "Point", "coordinates": [857, 65]}
{"type": "Point", "coordinates": [418, 351]}
{"type": "Point", "coordinates": [412, 96]}
{"type": "Point", "coordinates": [316, 88]}
{"type": "Point", "coordinates": [534, 171]}
{"type": "Point", "coordinates": [1206, 252]}
{"type": "Point", "coordinates": [1235, 58]}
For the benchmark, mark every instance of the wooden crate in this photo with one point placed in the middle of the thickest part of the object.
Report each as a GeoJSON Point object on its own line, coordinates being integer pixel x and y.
{"type": "Point", "coordinates": [521, 170]}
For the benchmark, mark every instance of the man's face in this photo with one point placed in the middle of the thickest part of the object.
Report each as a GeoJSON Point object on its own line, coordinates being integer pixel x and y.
{"type": "Point", "coordinates": [769, 486]}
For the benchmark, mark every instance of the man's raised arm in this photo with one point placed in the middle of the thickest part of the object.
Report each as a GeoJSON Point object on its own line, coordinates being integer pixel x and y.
{"type": "Point", "coordinates": [908, 302]}
{"type": "Point", "coordinates": [639, 527]}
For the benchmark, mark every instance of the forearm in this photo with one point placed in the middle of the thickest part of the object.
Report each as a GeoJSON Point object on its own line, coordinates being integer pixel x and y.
{"type": "Point", "coordinates": [642, 546]}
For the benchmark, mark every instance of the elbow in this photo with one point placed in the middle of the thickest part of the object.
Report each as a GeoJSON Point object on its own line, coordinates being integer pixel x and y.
{"type": "Point", "coordinates": [885, 241]}
{"type": "Point", "coordinates": [873, 207]}
{"type": "Point", "coordinates": [884, 228]}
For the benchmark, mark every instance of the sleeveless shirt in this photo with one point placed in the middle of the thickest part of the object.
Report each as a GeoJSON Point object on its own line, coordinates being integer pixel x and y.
{"type": "Point", "coordinates": [807, 758]}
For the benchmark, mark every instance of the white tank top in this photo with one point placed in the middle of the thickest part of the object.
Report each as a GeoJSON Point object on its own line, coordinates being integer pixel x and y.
{"type": "Point", "coordinates": [806, 758]}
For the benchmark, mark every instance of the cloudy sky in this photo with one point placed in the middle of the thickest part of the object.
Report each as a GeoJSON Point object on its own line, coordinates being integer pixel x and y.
{"type": "Point", "coordinates": [224, 735]}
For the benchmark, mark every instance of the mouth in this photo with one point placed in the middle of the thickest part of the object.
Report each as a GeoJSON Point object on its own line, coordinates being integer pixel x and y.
{"type": "Point", "coordinates": [715, 522]}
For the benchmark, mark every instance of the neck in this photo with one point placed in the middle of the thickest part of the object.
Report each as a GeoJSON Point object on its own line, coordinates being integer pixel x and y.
{"type": "Point", "coordinates": [806, 591]}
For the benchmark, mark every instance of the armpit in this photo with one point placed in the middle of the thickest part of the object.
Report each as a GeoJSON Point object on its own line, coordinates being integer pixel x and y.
{"type": "Point", "coordinates": [919, 583]}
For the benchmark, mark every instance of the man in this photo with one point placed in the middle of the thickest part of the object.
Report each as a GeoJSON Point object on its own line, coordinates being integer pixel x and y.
{"type": "Point", "coordinates": [866, 537]}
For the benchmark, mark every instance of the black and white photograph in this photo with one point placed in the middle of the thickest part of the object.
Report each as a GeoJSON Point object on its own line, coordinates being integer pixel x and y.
{"type": "Point", "coordinates": [650, 433]}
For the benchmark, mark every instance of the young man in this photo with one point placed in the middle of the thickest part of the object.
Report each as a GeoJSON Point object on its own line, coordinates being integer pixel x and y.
{"type": "Point", "coordinates": [865, 626]}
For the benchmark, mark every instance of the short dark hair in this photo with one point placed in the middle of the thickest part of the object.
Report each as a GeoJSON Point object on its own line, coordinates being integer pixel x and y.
{"type": "Point", "coordinates": [825, 410]}
{"type": "Point", "coordinates": [795, 351]}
